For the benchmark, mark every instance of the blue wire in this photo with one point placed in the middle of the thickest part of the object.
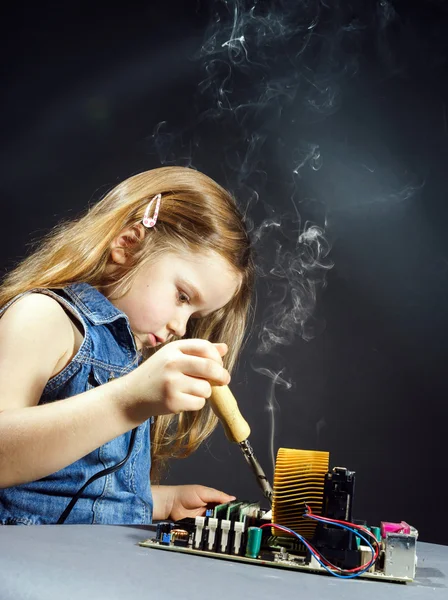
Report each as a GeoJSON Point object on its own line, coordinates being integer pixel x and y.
{"type": "Point", "coordinates": [308, 545]}
{"type": "Point", "coordinates": [356, 532]}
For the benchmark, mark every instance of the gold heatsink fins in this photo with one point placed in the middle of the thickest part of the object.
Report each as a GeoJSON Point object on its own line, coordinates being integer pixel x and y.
{"type": "Point", "coordinates": [298, 480]}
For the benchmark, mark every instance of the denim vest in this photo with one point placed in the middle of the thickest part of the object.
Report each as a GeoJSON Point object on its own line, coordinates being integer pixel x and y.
{"type": "Point", "coordinates": [108, 351]}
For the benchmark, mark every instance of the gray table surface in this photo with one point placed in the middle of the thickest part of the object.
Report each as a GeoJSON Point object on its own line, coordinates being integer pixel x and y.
{"type": "Point", "coordinates": [96, 561]}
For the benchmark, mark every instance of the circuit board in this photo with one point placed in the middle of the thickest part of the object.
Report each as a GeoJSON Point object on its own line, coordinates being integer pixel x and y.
{"type": "Point", "coordinates": [277, 561]}
{"type": "Point", "coordinates": [310, 527]}
{"type": "Point", "coordinates": [226, 533]}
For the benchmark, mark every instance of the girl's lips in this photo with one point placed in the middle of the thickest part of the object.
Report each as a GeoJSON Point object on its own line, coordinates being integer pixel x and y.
{"type": "Point", "coordinates": [153, 341]}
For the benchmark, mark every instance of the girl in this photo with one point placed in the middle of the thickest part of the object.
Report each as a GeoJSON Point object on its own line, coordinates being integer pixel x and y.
{"type": "Point", "coordinates": [90, 341]}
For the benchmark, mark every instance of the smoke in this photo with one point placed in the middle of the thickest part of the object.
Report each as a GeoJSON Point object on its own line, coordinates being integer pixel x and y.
{"type": "Point", "coordinates": [271, 69]}
{"type": "Point", "coordinates": [169, 147]}
{"type": "Point", "coordinates": [291, 287]}
{"type": "Point", "coordinates": [270, 66]}
{"type": "Point", "coordinates": [263, 58]}
{"type": "Point", "coordinates": [309, 155]}
{"type": "Point", "coordinates": [272, 404]}
{"type": "Point", "coordinates": [271, 74]}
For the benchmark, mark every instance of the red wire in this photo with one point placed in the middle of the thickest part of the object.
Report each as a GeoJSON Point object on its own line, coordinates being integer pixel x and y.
{"type": "Point", "coordinates": [322, 558]}
{"type": "Point", "coordinates": [318, 517]}
{"type": "Point", "coordinates": [316, 553]}
{"type": "Point", "coordinates": [354, 525]}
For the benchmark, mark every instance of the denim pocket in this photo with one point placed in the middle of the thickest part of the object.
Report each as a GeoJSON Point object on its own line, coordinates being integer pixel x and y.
{"type": "Point", "coordinates": [99, 375]}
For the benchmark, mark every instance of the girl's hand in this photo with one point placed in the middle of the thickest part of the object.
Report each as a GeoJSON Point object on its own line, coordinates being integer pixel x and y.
{"type": "Point", "coordinates": [179, 501]}
{"type": "Point", "coordinates": [176, 378]}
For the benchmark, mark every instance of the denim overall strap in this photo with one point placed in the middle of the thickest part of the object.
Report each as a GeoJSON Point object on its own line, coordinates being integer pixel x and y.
{"type": "Point", "coordinates": [108, 351]}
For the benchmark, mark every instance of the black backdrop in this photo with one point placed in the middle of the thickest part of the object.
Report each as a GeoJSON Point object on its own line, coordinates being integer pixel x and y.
{"type": "Point", "coordinates": [336, 113]}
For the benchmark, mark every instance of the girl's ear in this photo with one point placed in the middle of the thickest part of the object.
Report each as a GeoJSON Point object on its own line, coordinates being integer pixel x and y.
{"type": "Point", "coordinates": [126, 241]}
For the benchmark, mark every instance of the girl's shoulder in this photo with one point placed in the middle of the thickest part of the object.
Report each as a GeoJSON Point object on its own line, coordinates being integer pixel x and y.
{"type": "Point", "coordinates": [35, 311]}
{"type": "Point", "coordinates": [38, 339]}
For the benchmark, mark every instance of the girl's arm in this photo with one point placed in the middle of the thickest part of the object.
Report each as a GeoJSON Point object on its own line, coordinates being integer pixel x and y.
{"type": "Point", "coordinates": [36, 342]}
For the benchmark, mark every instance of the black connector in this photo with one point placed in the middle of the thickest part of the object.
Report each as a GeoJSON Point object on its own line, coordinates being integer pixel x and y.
{"type": "Point", "coordinates": [336, 544]}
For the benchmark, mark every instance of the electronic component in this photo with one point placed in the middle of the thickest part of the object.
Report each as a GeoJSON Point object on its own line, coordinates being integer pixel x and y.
{"type": "Point", "coordinates": [399, 554]}
{"type": "Point", "coordinates": [253, 545]}
{"type": "Point", "coordinates": [179, 537]}
{"type": "Point", "coordinates": [299, 479]}
{"type": "Point", "coordinates": [305, 491]}
{"type": "Point", "coordinates": [338, 545]}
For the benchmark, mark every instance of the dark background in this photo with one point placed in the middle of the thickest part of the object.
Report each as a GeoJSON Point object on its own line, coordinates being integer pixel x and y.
{"type": "Point", "coordinates": [335, 112]}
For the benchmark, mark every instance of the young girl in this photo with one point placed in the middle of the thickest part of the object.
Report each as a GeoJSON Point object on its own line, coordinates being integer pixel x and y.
{"type": "Point", "coordinates": [164, 256]}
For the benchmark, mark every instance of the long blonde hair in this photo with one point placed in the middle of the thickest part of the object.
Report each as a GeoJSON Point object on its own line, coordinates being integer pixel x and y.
{"type": "Point", "coordinates": [196, 214]}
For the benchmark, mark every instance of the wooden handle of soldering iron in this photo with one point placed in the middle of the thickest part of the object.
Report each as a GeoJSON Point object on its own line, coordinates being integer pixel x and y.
{"type": "Point", "coordinates": [226, 409]}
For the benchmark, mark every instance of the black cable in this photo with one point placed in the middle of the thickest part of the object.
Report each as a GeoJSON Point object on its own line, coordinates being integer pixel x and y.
{"type": "Point", "coordinates": [102, 473]}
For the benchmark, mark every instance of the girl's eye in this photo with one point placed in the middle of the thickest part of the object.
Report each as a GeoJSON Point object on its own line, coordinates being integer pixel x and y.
{"type": "Point", "coordinates": [183, 298]}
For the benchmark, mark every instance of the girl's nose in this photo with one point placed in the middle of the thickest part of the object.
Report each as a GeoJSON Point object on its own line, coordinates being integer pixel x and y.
{"type": "Point", "coordinates": [178, 327]}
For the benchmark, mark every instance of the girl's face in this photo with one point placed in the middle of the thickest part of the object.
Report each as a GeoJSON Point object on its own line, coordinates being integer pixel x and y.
{"type": "Point", "coordinates": [164, 295]}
